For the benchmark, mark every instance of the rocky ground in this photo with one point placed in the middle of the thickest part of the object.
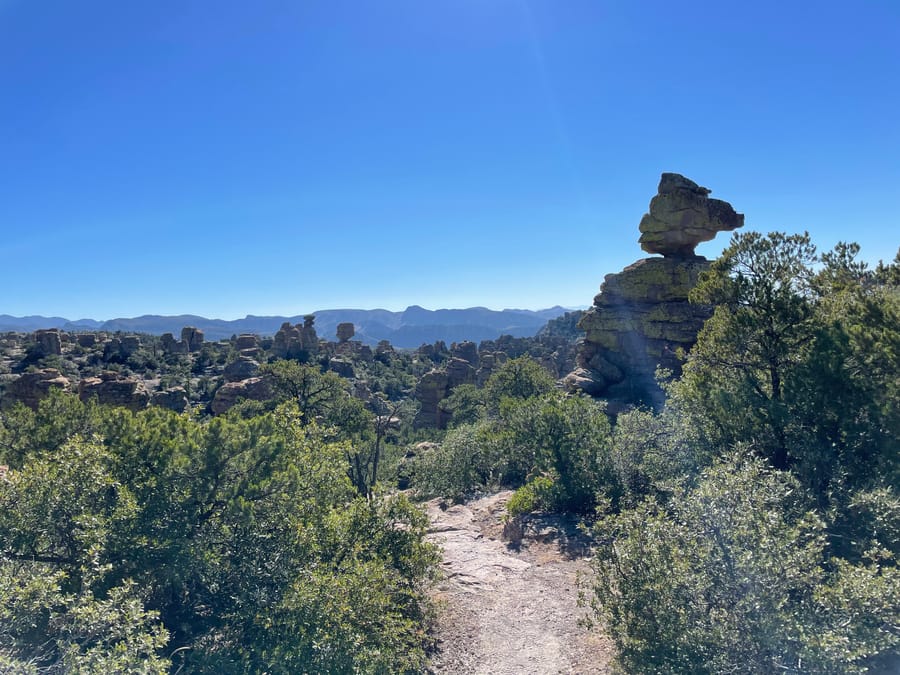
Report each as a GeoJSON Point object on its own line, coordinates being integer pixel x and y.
{"type": "Point", "coordinates": [509, 605]}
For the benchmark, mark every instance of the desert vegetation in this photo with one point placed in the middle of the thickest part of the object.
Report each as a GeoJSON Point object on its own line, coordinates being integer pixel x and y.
{"type": "Point", "coordinates": [748, 523]}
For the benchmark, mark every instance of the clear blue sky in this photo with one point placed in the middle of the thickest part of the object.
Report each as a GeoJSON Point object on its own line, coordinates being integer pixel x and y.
{"type": "Point", "coordinates": [226, 158]}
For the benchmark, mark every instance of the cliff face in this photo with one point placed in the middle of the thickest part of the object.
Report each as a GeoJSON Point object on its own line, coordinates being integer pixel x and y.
{"type": "Point", "coordinates": [642, 315]}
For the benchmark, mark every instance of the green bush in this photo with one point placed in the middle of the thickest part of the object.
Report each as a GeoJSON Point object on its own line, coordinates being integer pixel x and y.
{"type": "Point", "coordinates": [732, 575]}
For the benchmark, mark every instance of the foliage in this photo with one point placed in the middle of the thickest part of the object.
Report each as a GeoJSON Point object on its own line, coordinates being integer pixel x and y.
{"type": "Point", "coordinates": [731, 576]}
{"type": "Point", "coordinates": [520, 378]}
{"type": "Point", "coordinates": [203, 535]}
{"type": "Point", "coordinates": [463, 464]}
{"type": "Point", "coordinates": [759, 507]}
{"type": "Point", "coordinates": [802, 364]}
{"type": "Point", "coordinates": [466, 405]}
{"type": "Point", "coordinates": [564, 439]}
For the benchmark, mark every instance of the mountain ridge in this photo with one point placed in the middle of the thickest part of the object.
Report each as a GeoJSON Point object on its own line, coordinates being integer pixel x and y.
{"type": "Point", "coordinates": [408, 328]}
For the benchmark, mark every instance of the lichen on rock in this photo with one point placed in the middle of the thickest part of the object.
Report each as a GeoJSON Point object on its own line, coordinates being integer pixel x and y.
{"type": "Point", "coordinates": [682, 215]}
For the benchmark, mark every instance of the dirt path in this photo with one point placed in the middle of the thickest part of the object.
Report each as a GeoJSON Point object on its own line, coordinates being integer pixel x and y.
{"type": "Point", "coordinates": [510, 610]}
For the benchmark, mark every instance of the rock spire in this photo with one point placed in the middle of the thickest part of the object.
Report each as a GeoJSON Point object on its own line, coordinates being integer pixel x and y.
{"type": "Point", "coordinates": [642, 317]}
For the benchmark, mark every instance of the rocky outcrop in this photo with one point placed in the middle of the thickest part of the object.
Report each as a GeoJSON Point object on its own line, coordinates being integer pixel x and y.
{"type": "Point", "coordinates": [345, 331]}
{"type": "Point", "coordinates": [246, 341]}
{"type": "Point", "coordinates": [192, 338]}
{"type": "Point", "coordinates": [172, 346]}
{"type": "Point", "coordinates": [435, 385]}
{"type": "Point", "coordinates": [342, 367]}
{"type": "Point", "coordinates": [682, 215]}
{"type": "Point", "coordinates": [296, 342]}
{"type": "Point", "coordinates": [31, 388]}
{"type": "Point", "coordinates": [430, 391]}
{"type": "Point", "coordinates": [118, 349]}
{"type": "Point", "coordinates": [174, 398]}
{"type": "Point", "coordinates": [642, 317]}
{"type": "Point", "coordinates": [251, 389]}
{"type": "Point", "coordinates": [48, 341]}
{"type": "Point", "coordinates": [466, 350]}
{"type": "Point", "coordinates": [241, 369]}
{"type": "Point", "coordinates": [113, 388]}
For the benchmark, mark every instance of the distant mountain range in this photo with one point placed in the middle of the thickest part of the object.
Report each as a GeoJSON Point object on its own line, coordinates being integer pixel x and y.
{"type": "Point", "coordinates": [410, 328]}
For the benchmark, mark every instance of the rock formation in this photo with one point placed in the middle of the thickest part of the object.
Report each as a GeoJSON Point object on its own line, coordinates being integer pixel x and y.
{"type": "Point", "coordinates": [345, 331]}
{"type": "Point", "coordinates": [30, 388]}
{"type": "Point", "coordinates": [118, 349]}
{"type": "Point", "coordinates": [296, 342]}
{"type": "Point", "coordinates": [172, 346]}
{"type": "Point", "coordinates": [113, 388]}
{"type": "Point", "coordinates": [252, 389]}
{"type": "Point", "coordinates": [342, 367]}
{"type": "Point", "coordinates": [246, 341]}
{"type": "Point", "coordinates": [174, 398]}
{"type": "Point", "coordinates": [241, 369]}
{"type": "Point", "coordinates": [435, 385]}
{"type": "Point", "coordinates": [682, 215]}
{"type": "Point", "coordinates": [192, 337]}
{"type": "Point", "coordinates": [642, 316]}
{"type": "Point", "coordinates": [48, 341]}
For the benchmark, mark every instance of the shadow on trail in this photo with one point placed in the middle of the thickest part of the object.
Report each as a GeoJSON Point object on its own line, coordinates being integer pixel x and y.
{"type": "Point", "coordinates": [564, 530]}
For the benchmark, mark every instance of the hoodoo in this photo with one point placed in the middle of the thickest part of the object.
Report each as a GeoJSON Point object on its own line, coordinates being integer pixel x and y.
{"type": "Point", "coordinates": [642, 317]}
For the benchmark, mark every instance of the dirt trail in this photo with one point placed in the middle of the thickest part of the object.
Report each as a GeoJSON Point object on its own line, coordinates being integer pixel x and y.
{"type": "Point", "coordinates": [511, 610]}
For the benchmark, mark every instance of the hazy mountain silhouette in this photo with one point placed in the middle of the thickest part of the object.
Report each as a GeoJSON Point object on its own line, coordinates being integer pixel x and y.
{"type": "Point", "coordinates": [410, 328]}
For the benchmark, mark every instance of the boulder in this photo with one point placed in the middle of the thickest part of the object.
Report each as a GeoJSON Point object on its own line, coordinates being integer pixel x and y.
{"type": "Point", "coordinates": [174, 398]}
{"type": "Point", "coordinates": [251, 389]}
{"type": "Point", "coordinates": [86, 340]}
{"type": "Point", "coordinates": [342, 367]}
{"type": "Point", "coordinates": [246, 341]}
{"type": "Point", "coordinates": [241, 369]}
{"type": "Point", "coordinates": [112, 388]}
{"type": "Point", "coordinates": [31, 388]}
{"type": "Point", "coordinates": [682, 215]}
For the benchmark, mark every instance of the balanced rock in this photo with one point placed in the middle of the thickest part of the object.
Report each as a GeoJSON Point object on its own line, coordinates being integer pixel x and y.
{"type": "Point", "coordinates": [682, 215]}
{"type": "Point", "coordinates": [345, 331]}
{"type": "Point", "coordinates": [642, 319]}
{"type": "Point", "coordinates": [30, 388]}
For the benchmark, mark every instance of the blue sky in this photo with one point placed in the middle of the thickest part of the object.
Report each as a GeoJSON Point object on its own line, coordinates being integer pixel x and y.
{"type": "Point", "coordinates": [226, 158]}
